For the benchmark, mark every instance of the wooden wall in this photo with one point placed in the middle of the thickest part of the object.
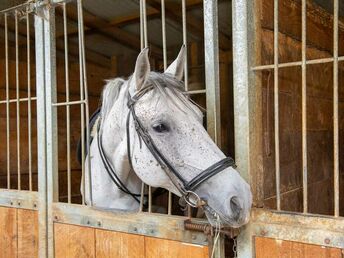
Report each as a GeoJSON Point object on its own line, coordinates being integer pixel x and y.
{"type": "Point", "coordinates": [319, 107]}
{"type": "Point", "coordinates": [75, 241]}
{"type": "Point", "coordinates": [18, 233]}
{"type": "Point", "coordinates": [268, 248]}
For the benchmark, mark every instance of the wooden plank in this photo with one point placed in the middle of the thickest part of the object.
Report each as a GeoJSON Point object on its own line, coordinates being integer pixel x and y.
{"type": "Point", "coordinates": [8, 232]}
{"type": "Point", "coordinates": [268, 247]}
{"type": "Point", "coordinates": [74, 241]}
{"type": "Point", "coordinates": [155, 247]}
{"type": "Point", "coordinates": [27, 233]}
{"type": "Point", "coordinates": [111, 244]}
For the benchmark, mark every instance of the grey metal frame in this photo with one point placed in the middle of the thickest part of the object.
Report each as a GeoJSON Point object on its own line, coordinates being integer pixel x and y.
{"type": "Point", "coordinates": [300, 227]}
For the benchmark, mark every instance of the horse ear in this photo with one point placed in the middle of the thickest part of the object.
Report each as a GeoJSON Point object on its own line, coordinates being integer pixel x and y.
{"type": "Point", "coordinates": [177, 67]}
{"type": "Point", "coordinates": [142, 69]}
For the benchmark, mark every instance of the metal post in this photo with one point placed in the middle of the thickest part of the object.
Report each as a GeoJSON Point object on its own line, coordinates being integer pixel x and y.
{"type": "Point", "coordinates": [41, 140]}
{"type": "Point", "coordinates": [51, 121]}
{"type": "Point", "coordinates": [212, 77]}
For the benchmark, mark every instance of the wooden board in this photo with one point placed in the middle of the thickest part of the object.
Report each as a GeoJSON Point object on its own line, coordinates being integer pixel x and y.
{"type": "Point", "coordinates": [27, 233]}
{"type": "Point", "coordinates": [111, 244]}
{"type": "Point", "coordinates": [268, 247]}
{"type": "Point", "coordinates": [8, 232]}
{"type": "Point", "coordinates": [74, 241]}
{"type": "Point", "coordinates": [156, 248]}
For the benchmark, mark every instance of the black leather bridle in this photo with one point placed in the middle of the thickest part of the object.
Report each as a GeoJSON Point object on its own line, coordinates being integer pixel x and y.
{"type": "Point", "coordinates": [186, 188]}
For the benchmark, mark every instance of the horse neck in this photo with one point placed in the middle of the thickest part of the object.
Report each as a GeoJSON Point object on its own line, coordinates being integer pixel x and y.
{"type": "Point", "coordinates": [105, 192]}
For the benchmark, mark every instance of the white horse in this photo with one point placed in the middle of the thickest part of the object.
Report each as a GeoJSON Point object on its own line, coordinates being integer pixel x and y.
{"type": "Point", "coordinates": [174, 124]}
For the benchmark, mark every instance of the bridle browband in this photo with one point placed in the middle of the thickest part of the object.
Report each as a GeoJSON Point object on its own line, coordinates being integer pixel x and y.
{"type": "Point", "coordinates": [186, 188]}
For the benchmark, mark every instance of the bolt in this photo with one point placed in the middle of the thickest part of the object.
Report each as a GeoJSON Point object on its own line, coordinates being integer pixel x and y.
{"type": "Point", "coordinates": [152, 231]}
{"type": "Point", "coordinates": [135, 229]}
{"type": "Point", "coordinates": [18, 203]}
{"type": "Point", "coordinates": [99, 223]}
{"type": "Point", "coordinates": [34, 205]}
{"type": "Point", "coordinates": [263, 232]}
{"type": "Point", "coordinates": [56, 218]}
{"type": "Point", "coordinates": [327, 240]}
{"type": "Point", "coordinates": [11, 203]}
{"type": "Point", "coordinates": [88, 222]}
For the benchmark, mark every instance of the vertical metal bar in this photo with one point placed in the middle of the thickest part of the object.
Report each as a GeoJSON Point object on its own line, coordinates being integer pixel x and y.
{"type": "Point", "coordinates": [185, 43]}
{"type": "Point", "coordinates": [65, 30]}
{"type": "Point", "coordinates": [141, 25]}
{"type": "Point", "coordinates": [212, 76]}
{"type": "Point", "coordinates": [164, 52]}
{"type": "Point", "coordinates": [41, 137]}
{"type": "Point", "coordinates": [142, 198]}
{"type": "Point", "coordinates": [144, 9]}
{"type": "Point", "coordinates": [29, 97]}
{"type": "Point", "coordinates": [304, 107]}
{"type": "Point", "coordinates": [7, 107]}
{"type": "Point", "coordinates": [51, 120]}
{"type": "Point", "coordinates": [149, 199]}
{"type": "Point", "coordinates": [82, 111]}
{"type": "Point", "coordinates": [163, 26]}
{"type": "Point", "coordinates": [18, 98]}
{"type": "Point", "coordinates": [335, 108]}
{"type": "Point", "coordinates": [86, 103]}
{"type": "Point", "coordinates": [276, 106]}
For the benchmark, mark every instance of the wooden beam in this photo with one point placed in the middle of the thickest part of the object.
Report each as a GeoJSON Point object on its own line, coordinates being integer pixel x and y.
{"type": "Point", "coordinates": [121, 36]}
{"type": "Point", "coordinates": [193, 24]}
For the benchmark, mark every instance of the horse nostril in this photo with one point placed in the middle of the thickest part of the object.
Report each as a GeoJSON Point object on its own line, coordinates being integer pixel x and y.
{"type": "Point", "coordinates": [235, 207]}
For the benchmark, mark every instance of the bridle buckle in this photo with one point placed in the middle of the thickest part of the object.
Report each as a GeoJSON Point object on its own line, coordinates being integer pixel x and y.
{"type": "Point", "coordinates": [193, 199]}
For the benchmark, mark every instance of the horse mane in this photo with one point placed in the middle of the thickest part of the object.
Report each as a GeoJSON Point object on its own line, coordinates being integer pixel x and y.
{"type": "Point", "coordinates": [166, 85]}
{"type": "Point", "coordinates": [110, 94]}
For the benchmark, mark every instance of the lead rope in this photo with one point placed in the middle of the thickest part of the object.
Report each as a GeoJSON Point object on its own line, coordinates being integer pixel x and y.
{"type": "Point", "coordinates": [217, 234]}
{"type": "Point", "coordinates": [235, 247]}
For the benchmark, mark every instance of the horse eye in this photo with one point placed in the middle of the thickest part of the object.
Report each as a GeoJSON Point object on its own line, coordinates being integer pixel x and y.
{"type": "Point", "coordinates": [160, 128]}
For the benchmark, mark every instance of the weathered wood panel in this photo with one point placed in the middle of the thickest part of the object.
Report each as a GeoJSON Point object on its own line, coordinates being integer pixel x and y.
{"type": "Point", "coordinates": [111, 244]}
{"type": "Point", "coordinates": [156, 248]}
{"type": "Point", "coordinates": [74, 241]}
{"type": "Point", "coordinates": [27, 233]}
{"type": "Point", "coordinates": [8, 232]}
{"type": "Point", "coordinates": [267, 248]}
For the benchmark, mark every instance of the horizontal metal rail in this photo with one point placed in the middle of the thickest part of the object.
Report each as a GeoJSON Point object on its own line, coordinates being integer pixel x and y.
{"type": "Point", "coordinates": [298, 227]}
{"type": "Point", "coordinates": [16, 100]}
{"type": "Point", "coordinates": [297, 63]}
{"type": "Point", "coordinates": [148, 224]}
{"type": "Point", "coordinates": [19, 199]}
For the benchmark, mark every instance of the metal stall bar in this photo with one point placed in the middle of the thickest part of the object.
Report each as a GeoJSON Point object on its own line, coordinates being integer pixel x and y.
{"type": "Point", "coordinates": [164, 54]}
{"type": "Point", "coordinates": [29, 96]}
{"type": "Point", "coordinates": [212, 82]}
{"type": "Point", "coordinates": [241, 22]}
{"type": "Point", "coordinates": [82, 111]}
{"type": "Point", "coordinates": [185, 43]}
{"type": "Point", "coordinates": [212, 76]}
{"type": "Point", "coordinates": [65, 32]}
{"type": "Point", "coordinates": [85, 92]}
{"type": "Point", "coordinates": [51, 120]}
{"type": "Point", "coordinates": [304, 107]}
{"type": "Point", "coordinates": [276, 107]}
{"type": "Point", "coordinates": [41, 139]}
{"type": "Point", "coordinates": [335, 108]}
{"type": "Point", "coordinates": [17, 97]}
{"type": "Point", "coordinates": [7, 107]}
